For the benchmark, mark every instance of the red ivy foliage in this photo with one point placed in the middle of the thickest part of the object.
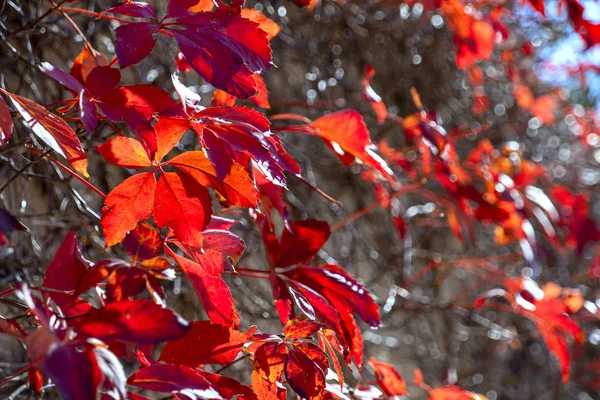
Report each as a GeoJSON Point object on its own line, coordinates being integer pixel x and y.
{"type": "Point", "coordinates": [86, 316]}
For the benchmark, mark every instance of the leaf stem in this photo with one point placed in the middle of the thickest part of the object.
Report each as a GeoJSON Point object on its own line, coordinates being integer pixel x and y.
{"type": "Point", "coordinates": [76, 176]}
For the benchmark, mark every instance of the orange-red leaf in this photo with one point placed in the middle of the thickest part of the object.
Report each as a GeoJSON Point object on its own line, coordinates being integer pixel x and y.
{"type": "Point", "coordinates": [348, 135]}
{"type": "Point", "coordinates": [264, 23]}
{"type": "Point", "coordinates": [182, 205]}
{"type": "Point", "coordinates": [300, 328]}
{"type": "Point", "coordinates": [125, 152]}
{"type": "Point", "coordinates": [128, 203]}
{"type": "Point", "coordinates": [236, 187]}
{"type": "Point", "coordinates": [388, 378]}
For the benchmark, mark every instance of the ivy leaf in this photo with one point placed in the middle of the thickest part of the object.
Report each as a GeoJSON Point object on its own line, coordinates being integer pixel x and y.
{"type": "Point", "coordinates": [131, 201]}
{"type": "Point", "coordinates": [125, 152]}
{"type": "Point", "coordinates": [135, 321]}
{"type": "Point", "coordinates": [206, 343]}
{"type": "Point", "coordinates": [183, 205]}
{"type": "Point", "coordinates": [134, 42]}
{"type": "Point", "coordinates": [225, 49]}
{"type": "Point", "coordinates": [205, 276]}
{"type": "Point", "coordinates": [388, 379]}
{"type": "Point", "coordinates": [236, 187]}
{"type": "Point", "coordinates": [52, 130]}
{"type": "Point", "coordinates": [6, 124]}
{"type": "Point", "coordinates": [83, 377]}
{"type": "Point", "coordinates": [345, 132]}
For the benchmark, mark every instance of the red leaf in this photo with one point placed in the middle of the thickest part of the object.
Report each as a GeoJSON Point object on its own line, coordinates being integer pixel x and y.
{"type": "Point", "coordinates": [589, 31]}
{"type": "Point", "coordinates": [102, 80]}
{"type": "Point", "coordinates": [300, 328]}
{"type": "Point", "coordinates": [538, 5]}
{"type": "Point", "coordinates": [348, 135]}
{"type": "Point", "coordinates": [172, 378]}
{"type": "Point", "coordinates": [302, 243]}
{"type": "Point", "coordinates": [304, 376]}
{"type": "Point", "coordinates": [6, 125]}
{"type": "Point", "coordinates": [337, 285]}
{"type": "Point", "coordinates": [388, 378]}
{"type": "Point", "coordinates": [52, 130]}
{"type": "Point", "coordinates": [67, 266]}
{"type": "Point", "coordinates": [134, 42]}
{"type": "Point", "coordinates": [205, 276]}
{"type": "Point", "coordinates": [183, 205]}
{"type": "Point", "coordinates": [206, 343]}
{"type": "Point", "coordinates": [225, 130]}
{"type": "Point", "coordinates": [143, 243]}
{"type": "Point", "coordinates": [82, 377]}
{"type": "Point", "coordinates": [236, 187]}
{"type": "Point", "coordinates": [128, 203]}
{"type": "Point", "coordinates": [225, 49]}
{"type": "Point", "coordinates": [136, 321]}
{"type": "Point", "coordinates": [125, 152]}
{"type": "Point", "coordinates": [270, 359]}
{"type": "Point", "coordinates": [136, 105]}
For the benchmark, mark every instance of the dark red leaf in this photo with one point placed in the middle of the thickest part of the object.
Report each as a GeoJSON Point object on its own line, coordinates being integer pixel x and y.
{"type": "Point", "coordinates": [101, 80]}
{"type": "Point", "coordinates": [225, 49]}
{"type": "Point", "coordinates": [304, 376]}
{"type": "Point", "coordinates": [303, 242]}
{"type": "Point", "coordinates": [61, 76]}
{"type": "Point", "coordinates": [136, 321]}
{"type": "Point", "coordinates": [67, 266]}
{"type": "Point", "coordinates": [6, 125]}
{"type": "Point", "coordinates": [206, 343]}
{"type": "Point", "coordinates": [82, 377]}
{"type": "Point", "coordinates": [134, 42]}
{"type": "Point", "coordinates": [173, 378]}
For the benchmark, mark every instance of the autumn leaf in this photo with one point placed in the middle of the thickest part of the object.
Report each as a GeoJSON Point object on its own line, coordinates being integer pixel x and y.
{"type": "Point", "coordinates": [206, 343]}
{"type": "Point", "coordinates": [388, 378]}
{"type": "Point", "coordinates": [205, 276]}
{"type": "Point", "coordinates": [183, 205]}
{"type": "Point", "coordinates": [347, 135]}
{"type": "Point", "coordinates": [52, 130]}
{"type": "Point", "coordinates": [6, 125]}
{"type": "Point", "coordinates": [135, 321]}
{"type": "Point", "coordinates": [131, 201]}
